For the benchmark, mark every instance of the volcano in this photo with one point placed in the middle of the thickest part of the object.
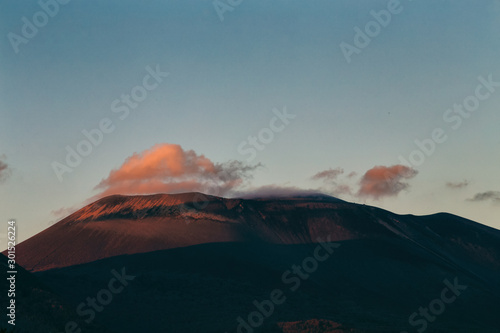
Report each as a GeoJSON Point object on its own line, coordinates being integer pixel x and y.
{"type": "Point", "coordinates": [219, 264]}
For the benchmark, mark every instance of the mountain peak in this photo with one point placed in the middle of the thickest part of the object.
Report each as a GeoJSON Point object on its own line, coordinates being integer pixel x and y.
{"type": "Point", "coordinates": [136, 206]}
{"type": "Point", "coordinates": [120, 224]}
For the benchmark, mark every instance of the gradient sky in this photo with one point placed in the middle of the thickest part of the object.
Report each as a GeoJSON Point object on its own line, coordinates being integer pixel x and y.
{"type": "Point", "coordinates": [225, 79]}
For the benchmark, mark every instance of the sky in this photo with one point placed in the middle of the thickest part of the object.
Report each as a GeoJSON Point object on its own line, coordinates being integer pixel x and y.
{"type": "Point", "coordinates": [393, 104]}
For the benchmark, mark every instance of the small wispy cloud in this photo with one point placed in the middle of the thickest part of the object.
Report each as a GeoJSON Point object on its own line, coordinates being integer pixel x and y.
{"type": "Point", "coordinates": [352, 174]}
{"type": "Point", "coordinates": [4, 169]}
{"type": "Point", "coordinates": [331, 184]}
{"type": "Point", "coordinates": [493, 196]}
{"type": "Point", "coordinates": [457, 185]}
{"type": "Point", "coordinates": [275, 191]}
{"type": "Point", "coordinates": [329, 175]}
{"type": "Point", "coordinates": [65, 211]}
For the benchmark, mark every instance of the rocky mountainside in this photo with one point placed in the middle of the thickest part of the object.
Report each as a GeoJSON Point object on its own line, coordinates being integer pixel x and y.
{"type": "Point", "coordinates": [207, 264]}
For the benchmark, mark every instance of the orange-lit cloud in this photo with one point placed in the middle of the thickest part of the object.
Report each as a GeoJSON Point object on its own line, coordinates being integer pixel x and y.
{"type": "Point", "coordinates": [382, 181]}
{"type": "Point", "coordinates": [167, 168]}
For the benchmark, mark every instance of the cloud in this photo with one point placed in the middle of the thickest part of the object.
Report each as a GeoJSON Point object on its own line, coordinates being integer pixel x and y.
{"type": "Point", "coordinates": [168, 168]}
{"type": "Point", "coordinates": [382, 181]}
{"type": "Point", "coordinates": [4, 169]}
{"type": "Point", "coordinates": [330, 180]}
{"type": "Point", "coordinates": [340, 189]}
{"type": "Point", "coordinates": [65, 211]}
{"type": "Point", "coordinates": [352, 174]}
{"type": "Point", "coordinates": [457, 185]}
{"type": "Point", "coordinates": [275, 191]}
{"type": "Point", "coordinates": [485, 196]}
{"type": "Point", "coordinates": [328, 175]}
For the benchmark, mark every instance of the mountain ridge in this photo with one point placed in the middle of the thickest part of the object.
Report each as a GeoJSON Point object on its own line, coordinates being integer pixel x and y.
{"type": "Point", "coordinates": [118, 224]}
{"type": "Point", "coordinates": [189, 250]}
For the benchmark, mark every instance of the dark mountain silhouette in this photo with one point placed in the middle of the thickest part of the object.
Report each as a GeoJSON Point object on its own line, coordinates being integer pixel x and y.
{"type": "Point", "coordinates": [198, 266]}
{"type": "Point", "coordinates": [38, 308]}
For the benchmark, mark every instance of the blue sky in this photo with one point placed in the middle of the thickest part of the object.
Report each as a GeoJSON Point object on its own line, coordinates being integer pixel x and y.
{"type": "Point", "coordinates": [226, 77]}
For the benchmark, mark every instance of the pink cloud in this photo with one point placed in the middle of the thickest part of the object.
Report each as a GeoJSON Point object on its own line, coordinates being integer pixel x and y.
{"type": "Point", "coordinates": [382, 181]}
{"type": "Point", "coordinates": [168, 168]}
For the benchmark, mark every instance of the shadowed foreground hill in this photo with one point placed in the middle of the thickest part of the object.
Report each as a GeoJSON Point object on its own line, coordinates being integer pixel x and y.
{"type": "Point", "coordinates": [200, 269]}
{"type": "Point", "coordinates": [38, 308]}
{"type": "Point", "coordinates": [373, 286]}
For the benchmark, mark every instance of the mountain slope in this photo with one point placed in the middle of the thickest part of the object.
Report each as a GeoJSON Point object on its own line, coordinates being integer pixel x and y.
{"type": "Point", "coordinates": [370, 286]}
{"type": "Point", "coordinates": [199, 266]}
{"type": "Point", "coordinates": [119, 225]}
{"type": "Point", "coordinates": [38, 307]}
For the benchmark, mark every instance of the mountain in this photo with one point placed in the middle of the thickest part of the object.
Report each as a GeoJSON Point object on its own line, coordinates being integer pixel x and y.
{"type": "Point", "coordinates": [206, 264]}
{"type": "Point", "coordinates": [37, 307]}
